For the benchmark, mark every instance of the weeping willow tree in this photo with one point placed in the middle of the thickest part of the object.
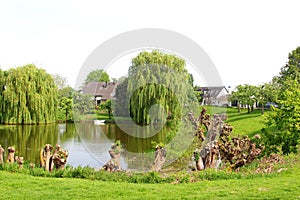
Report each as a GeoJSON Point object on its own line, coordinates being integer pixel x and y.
{"type": "Point", "coordinates": [28, 96]}
{"type": "Point", "coordinates": [158, 87]}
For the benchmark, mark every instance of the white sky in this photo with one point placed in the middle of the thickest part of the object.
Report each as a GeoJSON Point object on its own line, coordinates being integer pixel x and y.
{"type": "Point", "coordinates": [248, 41]}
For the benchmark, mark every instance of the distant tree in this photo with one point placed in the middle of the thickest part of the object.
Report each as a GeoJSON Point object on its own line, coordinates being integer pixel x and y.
{"type": "Point", "coordinates": [98, 75]}
{"type": "Point", "coordinates": [267, 92]}
{"type": "Point", "coordinates": [245, 95]}
{"type": "Point", "coordinates": [60, 81]}
{"type": "Point", "coordinates": [114, 80]}
{"type": "Point", "coordinates": [28, 96]}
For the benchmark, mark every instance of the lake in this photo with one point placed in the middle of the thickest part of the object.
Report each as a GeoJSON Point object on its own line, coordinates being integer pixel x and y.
{"type": "Point", "coordinates": [88, 144]}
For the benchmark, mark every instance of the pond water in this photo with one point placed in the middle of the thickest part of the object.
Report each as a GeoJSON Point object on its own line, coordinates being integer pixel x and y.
{"type": "Point", "coordinates": [88, 144]}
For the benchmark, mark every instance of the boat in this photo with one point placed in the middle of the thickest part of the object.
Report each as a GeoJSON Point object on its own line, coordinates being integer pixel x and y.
{"type": "Point", "coordinates": [99, 122]}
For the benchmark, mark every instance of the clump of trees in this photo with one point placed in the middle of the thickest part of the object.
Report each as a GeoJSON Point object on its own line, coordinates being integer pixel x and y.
{"type": "Point", "coordinates": [251, 96]}
{"type": "Point", "coordinates": [28, 95]}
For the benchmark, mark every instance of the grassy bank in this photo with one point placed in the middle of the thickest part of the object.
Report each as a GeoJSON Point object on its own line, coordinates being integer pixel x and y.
{"type": "Point", "coordinates": [281, 186]}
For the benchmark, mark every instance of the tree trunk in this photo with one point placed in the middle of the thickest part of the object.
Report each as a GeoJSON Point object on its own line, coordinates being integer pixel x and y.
{"type": "Point", "coordinates": [60, 157]}
{"type": "Point", "coordinates": [11, 155]}
{"type": "Point", "coordinates": [20, 162]}
{"type": "Point", "coordinates": [1, 154]}
{"type": "Point", "coordinates": [160, 158]}
{"type": "Point", "coordinates": [114, 163]}
{"type": "Point", "coordinates": [48, 162]}
{"type": "Point", "coordinates": [262, 109]}
{"type": "Point", "coordinates": [199, 164]}
{"type": "Point", "coordinates": [239, 107]}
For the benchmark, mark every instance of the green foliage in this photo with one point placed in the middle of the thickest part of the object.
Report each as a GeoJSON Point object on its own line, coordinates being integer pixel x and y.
{"type": "Point", "coordinates": [154, 79]}
{"type": "Point", "coordinates": [97, 75]}
{"type": "Point", "coordinates": [65, 109]}
{"type": "Point", "coordinates": [245, 94]}
{"type": "Point", "coordinates": [107, 107]}
{"type": "Point", "coordinates": [28, 96]}
{"type": "Point", "coordinates": [285, 119]}
{"type": "Point", "coordinates": [157, 144]}
{"type": "Point", "coordinates": [292, 69]}
{"type": "Point", "coordinates": [83, 103]}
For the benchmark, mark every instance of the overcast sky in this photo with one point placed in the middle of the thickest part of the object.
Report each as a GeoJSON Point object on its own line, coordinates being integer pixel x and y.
{"type": "Point", "coordinates": [248, 41]}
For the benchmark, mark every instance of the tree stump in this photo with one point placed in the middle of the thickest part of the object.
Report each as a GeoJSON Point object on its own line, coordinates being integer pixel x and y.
{"type": "Point", "coordinates": [11, 154]}
{"type": "Point", "coordinates": [160, 158]}
{"type": "Point", "coordinates": [115, 153]}
{"type": "Point", "coordinates": [20, 161]}
{"type": "Point", "coordinates": [46, 157]}
{"type": "Point", "coordinates": [60, 157]}
{"type": "Point", "coordinates": [1, 154]}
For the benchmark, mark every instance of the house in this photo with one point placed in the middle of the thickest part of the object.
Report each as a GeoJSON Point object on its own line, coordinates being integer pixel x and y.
{"type": "Point", "coordinates": [216, 96]}
{"type": "Point", "coordinates": [102, 91]}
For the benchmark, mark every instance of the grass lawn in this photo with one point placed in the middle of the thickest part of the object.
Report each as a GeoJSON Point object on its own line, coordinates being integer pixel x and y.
{"type": "Point", "coordinates": [285, 185]}
{"type": "Point", "coordinates": [243, 123]}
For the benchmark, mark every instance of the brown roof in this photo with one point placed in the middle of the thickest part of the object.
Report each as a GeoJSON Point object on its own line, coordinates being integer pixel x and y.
{"type": "Point", "coordinates": [100, 89]}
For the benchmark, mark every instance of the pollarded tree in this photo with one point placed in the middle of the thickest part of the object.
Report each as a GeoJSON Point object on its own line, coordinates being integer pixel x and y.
{"type": "Point", "coordinates": [28, 96]}
{"type": "Point", "coordinates": [159, 82]}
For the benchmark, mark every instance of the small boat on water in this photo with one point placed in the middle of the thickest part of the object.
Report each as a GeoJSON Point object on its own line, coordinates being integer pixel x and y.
{"type": "Point", "coordinates": [99, 122]}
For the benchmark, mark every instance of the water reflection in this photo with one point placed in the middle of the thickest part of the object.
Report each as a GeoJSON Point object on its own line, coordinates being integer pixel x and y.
{"type": "Point", "coordinates": [87, 143]}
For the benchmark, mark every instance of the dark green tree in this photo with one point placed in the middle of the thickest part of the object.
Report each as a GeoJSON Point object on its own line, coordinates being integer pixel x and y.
{"type": "Point", "coordinates": [28, 96]}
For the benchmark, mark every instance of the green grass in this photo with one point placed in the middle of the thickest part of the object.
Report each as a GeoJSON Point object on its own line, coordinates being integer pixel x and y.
{"type": "Point", "coordinates": [243, 123]}
{"type": "Point", "coordinates": [19, 186]}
